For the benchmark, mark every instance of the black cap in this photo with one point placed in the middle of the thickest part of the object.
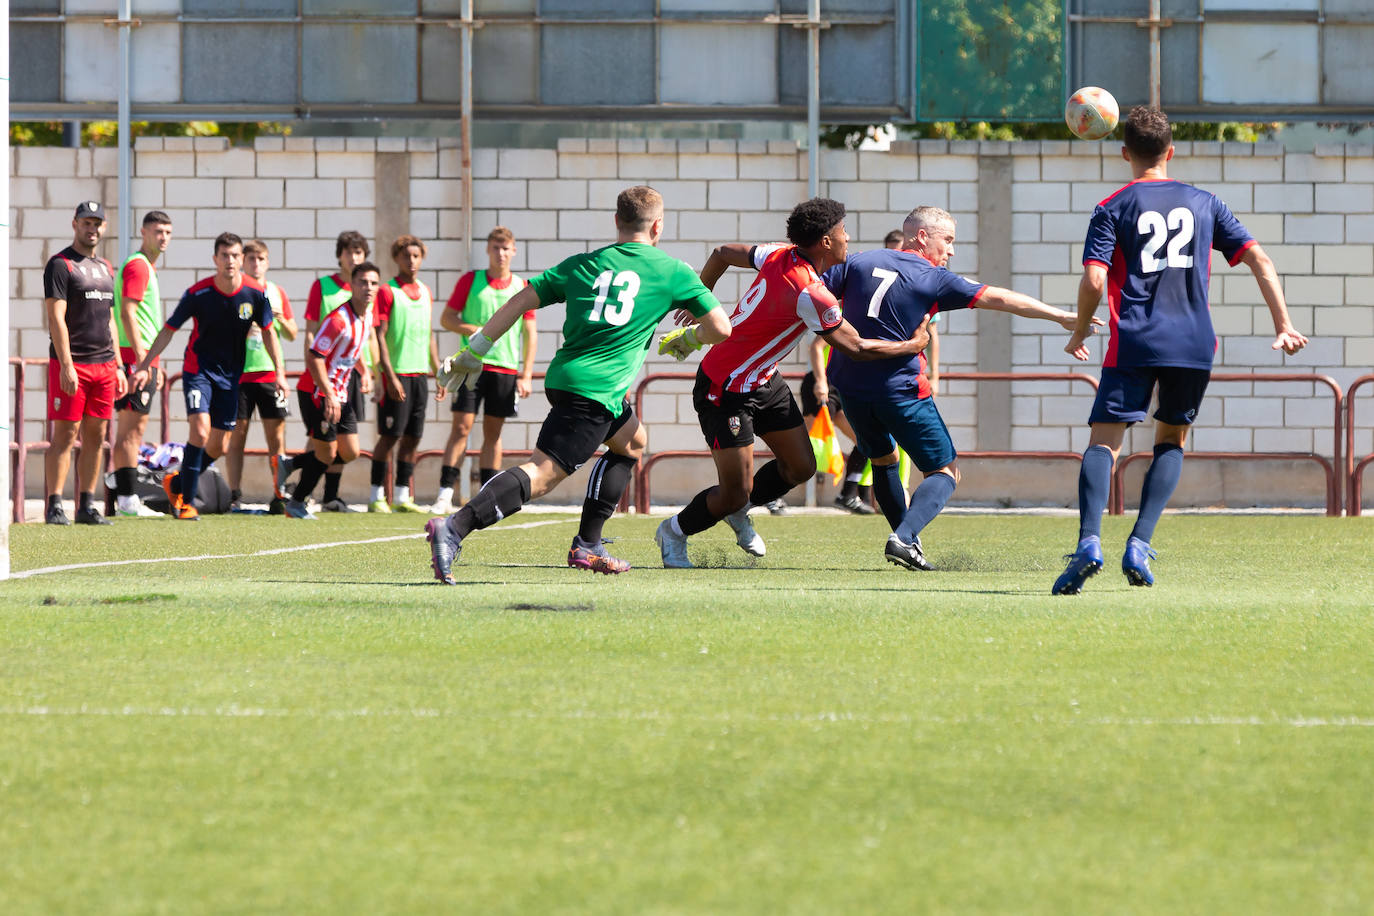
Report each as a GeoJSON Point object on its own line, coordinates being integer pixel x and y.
{"type": "Point", "coordinates": [90, 208]}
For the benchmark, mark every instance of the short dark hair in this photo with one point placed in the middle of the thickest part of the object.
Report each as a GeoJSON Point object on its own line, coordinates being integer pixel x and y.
{"type": "Point", "coordinates": [364, 268]}
{"type": "Point", "coordinates": [894, 236]}
{"type": "Point", "coordinates": [636, 208]}
{"type": "Point", "coordinates": [404, 242]}
{"type": "Point", "coordinates": [351, 239]}
{"type": "Point", "coordinates": [1147, 133]}
{"type": "Point", "coordinates": [810, 220]}
{"type": "Point", "coordinates": [227, 240]}
{"type": "Point", "coordinates": [156, 218]}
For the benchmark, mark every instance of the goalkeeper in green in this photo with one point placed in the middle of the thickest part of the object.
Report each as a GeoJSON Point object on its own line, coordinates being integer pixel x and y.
{"type": "Point", "coordinates": [616, 296]}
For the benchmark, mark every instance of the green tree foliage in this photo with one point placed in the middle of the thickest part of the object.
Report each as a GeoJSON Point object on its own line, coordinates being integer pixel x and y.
{"type": "Point", "coordinates": [105, 133]}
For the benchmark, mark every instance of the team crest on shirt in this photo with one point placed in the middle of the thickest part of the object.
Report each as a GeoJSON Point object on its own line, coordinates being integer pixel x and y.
{"type": "Point", "coordinates": [831, 316]}
{"type": "Point", "coordinates": [733, 423]}
{"type": "Point", "coordinates": [245, 310]}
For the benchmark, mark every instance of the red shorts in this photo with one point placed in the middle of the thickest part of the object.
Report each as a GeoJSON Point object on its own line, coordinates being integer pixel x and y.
{"type": "Point", "coordinates": [95, 392]}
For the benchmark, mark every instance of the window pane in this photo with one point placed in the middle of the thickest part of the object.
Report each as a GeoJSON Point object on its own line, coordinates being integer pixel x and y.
{"type": "Point", "coordinates": [35, 62]}
{"type": "Point", "coordinates": [357, 63]}
{"type": "Point", "coordinates": [751, 78]}
{"type": "Point", "coordinates": [214, 63]}
{"type": "Point", "coordinates": [596, 65]}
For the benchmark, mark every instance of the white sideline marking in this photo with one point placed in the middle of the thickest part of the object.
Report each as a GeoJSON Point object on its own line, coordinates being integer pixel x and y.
{"type": "Point", "coordinates": [25, 573]}
{"type": "Point", "coordinates": [261, 712]}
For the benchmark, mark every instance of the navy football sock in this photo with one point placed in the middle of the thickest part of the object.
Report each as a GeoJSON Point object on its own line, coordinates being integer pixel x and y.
{"type": "Point", "coordinates": [887, 487]}
{"type": "Point", "coordinates": [312, 469]}
{"type": "Point", "coordinates": [610, 477]}
{"type": "Point", "coordinates": [1160, 481]}
{"type": "Point", "coordinates": [503, 496]}
{"type": "Point", "coordinates": [192, 458]}
{"type": "Point", "coordinates": [930, 497]}
{"type": "Point", "coordinates": [853, 470]}
{"type": "Point", "coordinates": [1094, 486]}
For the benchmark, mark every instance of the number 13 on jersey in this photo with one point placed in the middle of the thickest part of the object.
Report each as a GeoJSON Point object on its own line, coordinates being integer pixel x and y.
{"type": "Point", "coordinates": [626, 286]}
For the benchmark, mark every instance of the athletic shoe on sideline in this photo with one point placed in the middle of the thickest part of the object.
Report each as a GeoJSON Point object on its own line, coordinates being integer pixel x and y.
{"type": "Point", "coordinates": [377, 505]}
{"type": "Point", "coordinates": [673, 546]}
{"type": "Point", "coordinates": [281, 470]}
{"type": "Point", "coordinates": [907, 556]}
{"type": "Point", "coordinates": [171, 485]}
{"type": "Point", "coordinates": [777, 506]}
{"type": "Point", "coordinates": [408, 506]}
{"type": "Point", "coordinates": [133, 507]}
{"type": "Point", "coordinates": [91, 516]}
{"type": "Point", "coordinates": [277, 506]}
{"type": "Point", "coordinates": [853, 504]}
{"type": "Point", "coordinates": [294, 508]}
{"type": "Point", "coordinates": [745, 536]}
{"type": "Point", "coordinates": [594, 557]}
{"type": "Point", "coordinates": [442, 507]}
{"type": "Point", "coordinates": [1083, 565]}
{"type": "Point", "coordinates": [1135, 562]}
{"type": "Point", "coordinates": [444, 548]}
{"type": "Point", "coordinates": [55, 515]}
{"type": "Point", "coordinates": [185, 511]}
{"type": "Point", "coordinates": [336, 505]}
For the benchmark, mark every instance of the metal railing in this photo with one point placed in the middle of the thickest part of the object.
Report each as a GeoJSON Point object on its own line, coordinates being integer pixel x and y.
{"type": "Point", "coordinates": [1354, 469]}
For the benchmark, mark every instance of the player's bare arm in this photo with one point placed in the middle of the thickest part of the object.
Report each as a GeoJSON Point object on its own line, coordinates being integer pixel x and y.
{"type": "Point", "coordinates": [288, 326]}
{"type": "Point", "coordinates": [56, 310]}
{"type": "Point", "coordinates": [524, 384]}
{"type": "Point", "coordinates": [273, 347]}
{"type": "Point", "coordinates": [731, 254]}
{"type": "Point", "coordinates": [1262, 267]}
{"type": "Point", "coordinates": [862, 349]}
{"type": "Point", "coordinates": [392, 381]}
{"type": "Point", "coordinates": [128, 311]}
{"type": "Point", "coordinates": [141, 372]}
{"type": "Point", "coordinates": [1090, 291]}
{"type": "Point", "coordinates": [712, 328]}
{"type": "Point", "coordinates": [314, 364]}
{"type": "Point", "coordinates": [816, 356]}
{"type": "Point", "coordinates": [453, 321]}
{"type": "Point", "coordinates": [121, 380]}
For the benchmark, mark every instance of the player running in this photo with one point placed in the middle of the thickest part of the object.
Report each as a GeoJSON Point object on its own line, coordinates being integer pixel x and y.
{"type": "Point", "coordinates": [738, 392]}
{"type": "Point", "coordinates": [615, 296]}
{"type": "Point", "coordinates": [886, 293]}
{"type": "Point", "coordinates": [1149, 248]}
{"type": "Point", "coordinates": [407, 354]}
{"type": "Point", "coordinates": [224, 309]}
{"type": "Point", "coordinates": [325, 392]}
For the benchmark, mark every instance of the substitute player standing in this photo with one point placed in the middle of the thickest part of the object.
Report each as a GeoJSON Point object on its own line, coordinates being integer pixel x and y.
{"type": "Point", "coordinates": [258, 392]}
{"type": "Point", "coordinates": [407, 354]}
{"type": "Point", "coordinates": [615, 298]}
{"type": "Point", "coordinates": [1149, 248]}
{"type": "Point", "coordinates": [224, 309]}
{"type": "Point", "coordinates": [83, 379]}
{"type": "Point", "coordinates": [138, 307]}
{"type": "Point", "coordinates": [738, 392]}
{"type": "Point", "coordinates": [331, 360]}
{"type": "Point", "coordinates": [507, 368]}
{"type": "Point", "coordinates": [887, 293]}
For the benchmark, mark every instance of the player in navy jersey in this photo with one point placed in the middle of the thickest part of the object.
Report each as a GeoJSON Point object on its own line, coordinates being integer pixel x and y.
{"type": "Point", "coordinates": [1149, 249]}
{"type": "Point", "coordinates": [223, 308]}
{"type": "Point", "coordinates": [886, 294]}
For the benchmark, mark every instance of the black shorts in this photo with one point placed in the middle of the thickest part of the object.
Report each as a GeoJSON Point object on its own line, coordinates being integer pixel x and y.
{"type": "Point", "coordinates": [1123, 395]}
{"type": "Point", "coordinates": [403, 418]}
{"type": "Point", "coordinates": [576, 427]}
{"type": "Point", "coordinates": [139, 400]}
{"type": "Point", "coordinates": [809, 405]}
{"type": "Point", "coordinates": [733, 420]}
{"type": "Point", "coordinates": [495, 389]}
{"type": "Point", "coordinates": [263, 398]}
{"type": "Point", "coordinates": [315, 425]}
{"type": "Point", "coordinates": [355, 396]}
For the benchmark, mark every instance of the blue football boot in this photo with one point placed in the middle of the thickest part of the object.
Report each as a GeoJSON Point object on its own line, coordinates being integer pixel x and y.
{"type": "Point", "coordinates": [1135, 562]}
{"type": "Point", "coordinates": [1083, 564]}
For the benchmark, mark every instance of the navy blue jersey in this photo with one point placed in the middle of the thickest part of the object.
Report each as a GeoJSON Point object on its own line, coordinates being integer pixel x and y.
{"type": "Point", "coordinates": [886, 294]}
{"type": "Point", "coordinates": [1156, 238]}
{"type": "Point", "coordinates": [219, 338]}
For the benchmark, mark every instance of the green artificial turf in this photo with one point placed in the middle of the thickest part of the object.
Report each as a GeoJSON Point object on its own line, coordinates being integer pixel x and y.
{"type": "Point", "coordinates": [327, 731]}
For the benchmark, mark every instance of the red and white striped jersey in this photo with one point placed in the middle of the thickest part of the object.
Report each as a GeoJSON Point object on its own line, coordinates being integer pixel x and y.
{"type": "Point", "coordinates": [340, 341]}
{"type": "Point", "coordinates": [785, 299]}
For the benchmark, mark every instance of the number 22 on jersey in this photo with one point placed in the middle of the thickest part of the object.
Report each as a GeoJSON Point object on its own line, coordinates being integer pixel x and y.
{"type": "Point", "coordinates": [1158, 227]}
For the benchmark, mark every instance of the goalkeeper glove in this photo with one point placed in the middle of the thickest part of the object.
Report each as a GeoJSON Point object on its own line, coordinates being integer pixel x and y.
{"type": "Point", "coordinates": [460, 370]}
{"type": "Point", "coordinates": [680, 343]}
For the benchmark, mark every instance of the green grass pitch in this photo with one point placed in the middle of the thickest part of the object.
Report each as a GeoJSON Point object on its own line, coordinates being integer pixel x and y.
{"type": "Point", "coordinates": [327, 731]}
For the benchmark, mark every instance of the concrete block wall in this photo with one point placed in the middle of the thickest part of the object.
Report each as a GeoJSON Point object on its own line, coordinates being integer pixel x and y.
{"type": "Point", "coordinates": [1313, 212]}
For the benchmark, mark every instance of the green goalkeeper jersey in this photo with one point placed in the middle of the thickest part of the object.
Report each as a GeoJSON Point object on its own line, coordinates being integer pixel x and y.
{"type": "Point", "coordinates": [616, 298]}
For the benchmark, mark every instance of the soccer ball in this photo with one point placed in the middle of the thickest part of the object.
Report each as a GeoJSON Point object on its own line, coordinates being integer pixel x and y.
{"type": "Point", "coordinates": [1091, 113]}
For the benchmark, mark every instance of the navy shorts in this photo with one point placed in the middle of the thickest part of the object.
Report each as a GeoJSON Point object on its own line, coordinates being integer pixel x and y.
{"type": "Point", "coordinates": [1123, 395]}
{"type": "Point", "coordinates": [204, 396]}
{"type": "Point", "coordinates": [914, 424]}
